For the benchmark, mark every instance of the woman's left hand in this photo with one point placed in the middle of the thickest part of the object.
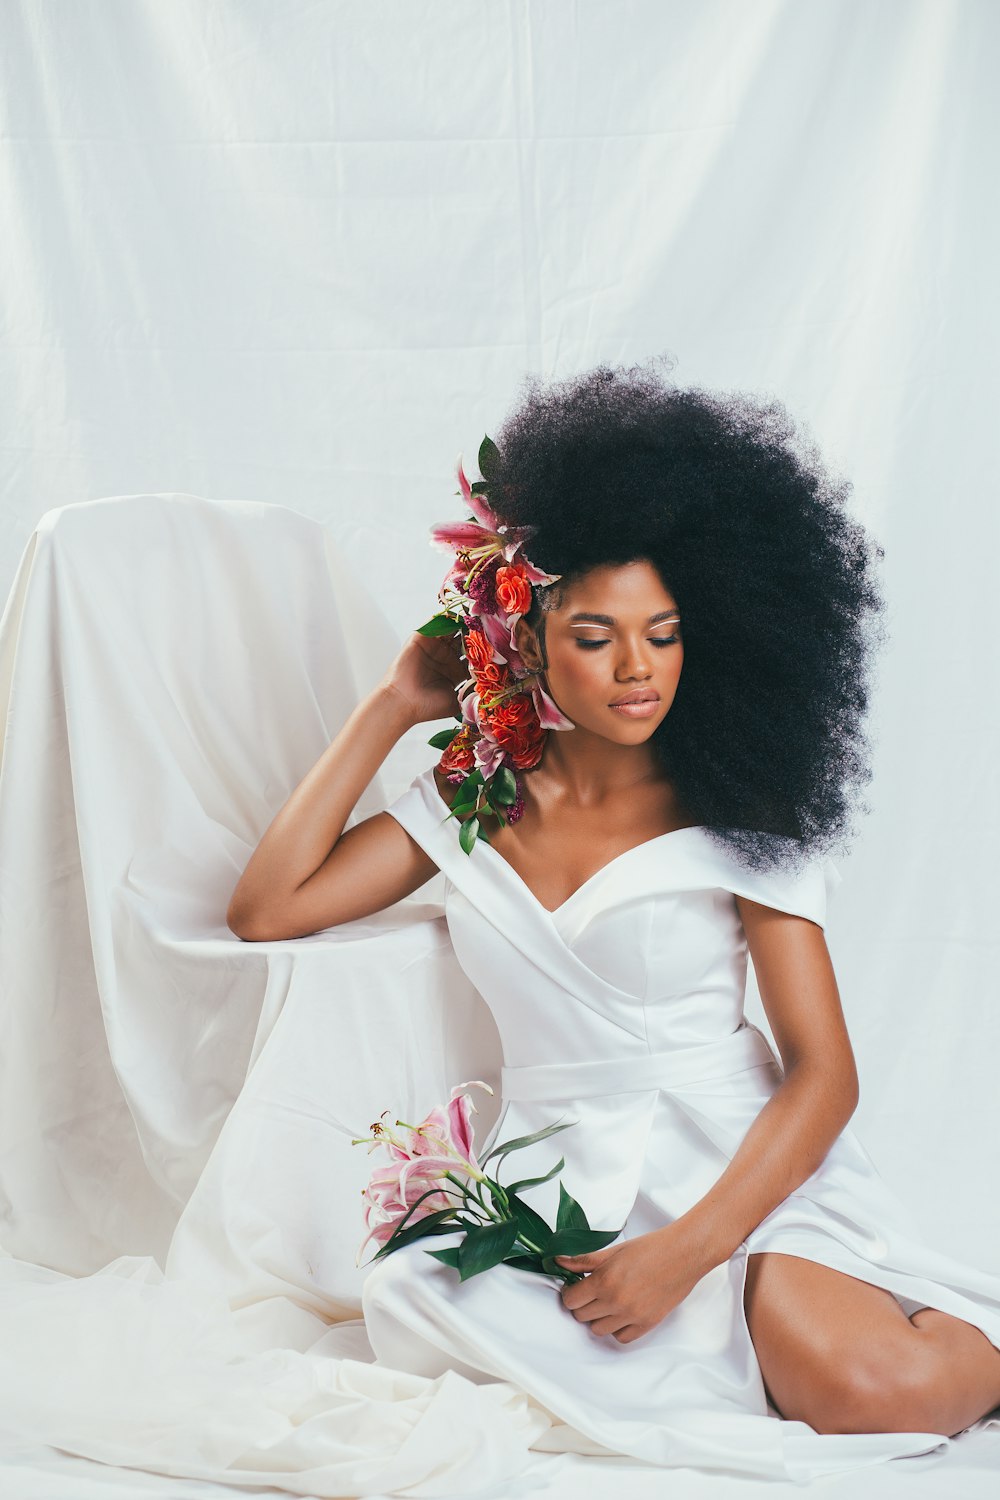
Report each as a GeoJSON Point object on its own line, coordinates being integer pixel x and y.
{"type": "Point", "coordinates": [629, 1288]}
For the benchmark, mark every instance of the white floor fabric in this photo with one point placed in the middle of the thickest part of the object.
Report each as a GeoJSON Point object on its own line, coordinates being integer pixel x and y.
{"type": "Point", "coordinates": [179, 1198]}
{"type": "Point", "coordinates": [967, 1472]}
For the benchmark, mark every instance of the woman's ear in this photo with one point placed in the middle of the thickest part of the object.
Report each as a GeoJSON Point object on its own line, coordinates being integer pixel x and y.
{"type": "Point", "coordinates": [527, 645]}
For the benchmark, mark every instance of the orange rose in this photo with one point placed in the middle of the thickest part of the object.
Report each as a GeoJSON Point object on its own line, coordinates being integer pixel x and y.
{"type": "Point", "coordinates": [527, 750]}
{"type": "Point", "coordinates": [492, 678]}
{"type": "Point", "coordinates": [458, 756]}
{"type": "Point", "coordinates": [515, 726]}
{"type": "Point", "coordinates": [478, 651]}
{"type": "Point", "coordinates": [516, 713]}
{"type": "Point", "coordinates": [513, 590]}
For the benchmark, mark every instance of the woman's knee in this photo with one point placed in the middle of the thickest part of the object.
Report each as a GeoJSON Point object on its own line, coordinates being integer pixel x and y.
{"type": "Point", "coordinates": [385, 1281]}
{"type": "Point", "coordinates": [404, 1275]}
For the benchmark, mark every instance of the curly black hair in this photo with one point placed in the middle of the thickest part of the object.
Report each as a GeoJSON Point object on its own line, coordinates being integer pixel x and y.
{"type": "Point", "coordinates": [776, 583]}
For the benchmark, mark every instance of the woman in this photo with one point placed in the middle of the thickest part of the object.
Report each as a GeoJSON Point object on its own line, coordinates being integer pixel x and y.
{"type": "Point", "coordinates": [705, 567]}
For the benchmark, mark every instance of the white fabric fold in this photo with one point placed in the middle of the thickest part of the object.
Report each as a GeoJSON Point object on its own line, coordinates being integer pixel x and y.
{"type": "Point", "coordinates": [180, 1202]}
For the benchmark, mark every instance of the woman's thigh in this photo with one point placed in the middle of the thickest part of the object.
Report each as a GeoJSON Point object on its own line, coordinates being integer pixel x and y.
{"type": "Point", "coordinates": [837, 1352]}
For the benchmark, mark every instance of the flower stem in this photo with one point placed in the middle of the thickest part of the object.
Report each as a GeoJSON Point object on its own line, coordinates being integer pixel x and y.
{"type": "Point", "coordinates": [466, 1194]}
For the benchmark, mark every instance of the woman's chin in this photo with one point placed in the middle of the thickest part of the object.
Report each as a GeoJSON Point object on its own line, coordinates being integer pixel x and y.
{"type": "Point", "coordinates": [621, 728]}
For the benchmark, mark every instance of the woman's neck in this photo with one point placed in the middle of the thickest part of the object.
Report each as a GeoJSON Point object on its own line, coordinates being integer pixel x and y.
{"type": "Point", "coordinates": [588, 769]}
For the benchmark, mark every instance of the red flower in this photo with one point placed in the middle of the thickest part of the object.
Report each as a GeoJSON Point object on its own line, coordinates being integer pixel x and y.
{"type": "Point", "coordinates": [513, 590]}
{"type": "Point", "coordinates": [478, 650]}
{"type": "Point", "coordinates": [459, 755]}
{"type": "Point", "coordinates": [514, 725]}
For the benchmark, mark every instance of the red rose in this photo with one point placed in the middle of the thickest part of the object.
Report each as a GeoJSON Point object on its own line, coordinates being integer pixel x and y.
{"type": "Point", "coordinates": [513, 590]}
{"type": "Point", "coordinates": [458, 756]}
{"type": "Point", "coordinates": [478, 651]}
{"type": "Point", "coordinates": [492, 678]}
{"type": "Point", "coordinates": [514, 725]}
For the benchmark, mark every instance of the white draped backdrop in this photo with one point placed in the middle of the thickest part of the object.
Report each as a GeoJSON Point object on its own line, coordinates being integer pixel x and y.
{"type": "Point", "coordinates": [265, 268]}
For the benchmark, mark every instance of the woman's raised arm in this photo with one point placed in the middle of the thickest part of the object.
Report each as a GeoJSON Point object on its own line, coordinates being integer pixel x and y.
{"type": "Point", "coordinates": [307, 873]}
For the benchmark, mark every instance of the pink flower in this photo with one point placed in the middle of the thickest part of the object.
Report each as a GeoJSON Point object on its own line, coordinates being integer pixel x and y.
{"type": "Point", "coordinates": [484, 538]}
{"type": "Point", "coordinates": [424, 1159]}
{"type": "Point", "coordinates": [550, 715]}
{"type": "Point", "coordinates": [489, 754]}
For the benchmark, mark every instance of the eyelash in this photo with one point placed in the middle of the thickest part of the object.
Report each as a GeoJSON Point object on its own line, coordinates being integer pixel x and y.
{"type": "Point", "coordinates": [663, 640]}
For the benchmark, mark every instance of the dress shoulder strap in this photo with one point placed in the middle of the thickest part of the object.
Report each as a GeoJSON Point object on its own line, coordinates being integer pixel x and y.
{"type": "Point", "coordinates": [804, 891]}
{"type": "Point", "coordinates": [422, 811]}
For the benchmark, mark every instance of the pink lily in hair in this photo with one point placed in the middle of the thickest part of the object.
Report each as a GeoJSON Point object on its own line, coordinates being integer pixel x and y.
{"type": "Point", "coordinates": [550, 715]}
{"type": "Point", "coordinates": [488, 754]}
{"type": "Point", "coordinates": [485, 537]}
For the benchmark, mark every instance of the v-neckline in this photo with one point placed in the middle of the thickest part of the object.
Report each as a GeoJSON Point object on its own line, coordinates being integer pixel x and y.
{"type": "Point", "coordinates": [553, 912]}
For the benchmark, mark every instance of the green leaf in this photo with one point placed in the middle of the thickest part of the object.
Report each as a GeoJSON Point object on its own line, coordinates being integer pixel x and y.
{"type": "Point", "coordinates": [442, 739]}
{"type": "Point", "coordinates": [489, 457]}
{"type": "Point", "coordinates": [503, 785]}
{"type": "Point", "coordinates": [470, 784]}
{"type": "Point", "coordinates": [478, 487]}
{"type": "Point", "coordinates": [527, 1182]}
{"type": "Point", "coordinates": [495, 810]}
{"type": "Point", "coordinates": [440, 625]}
{"type": "Point", "coordinates": [526, 1140]}
{"type": "Point", "coordinates": [570, 1214]}
{"type": "Point", "coordinates": [468, 833]}
{"type": "Point", "coordinates": [552, 1268]}
{"type": "Point", "coordinates": [529, 1263]}
{"type": "Point", "coordinates": [580, 1241]}
{"type": "Point", "coordinates": [448, 1257]}
{"type": "Point", "coordinates": [530, 1223]}
{"type": "Point", "coordinates": [418, 1229]}
{"type": "Point", "coordinates": [485, 1247]}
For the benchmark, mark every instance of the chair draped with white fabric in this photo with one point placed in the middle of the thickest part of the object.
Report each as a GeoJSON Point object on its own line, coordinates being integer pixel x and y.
{"type": "Point", "coordinates": [170, 668]}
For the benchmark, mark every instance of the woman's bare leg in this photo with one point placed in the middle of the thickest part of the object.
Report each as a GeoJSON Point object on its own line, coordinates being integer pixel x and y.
{"type": "Point", "coordinates": [841, 1354]}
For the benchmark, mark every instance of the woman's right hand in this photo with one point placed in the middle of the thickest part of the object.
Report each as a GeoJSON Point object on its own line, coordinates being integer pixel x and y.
{"type": "Point", "coordinates": [425, 675]}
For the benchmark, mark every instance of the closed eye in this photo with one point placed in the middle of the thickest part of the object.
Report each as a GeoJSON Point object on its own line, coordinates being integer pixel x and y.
{"type": "Point", "coordinates": [655, 640]}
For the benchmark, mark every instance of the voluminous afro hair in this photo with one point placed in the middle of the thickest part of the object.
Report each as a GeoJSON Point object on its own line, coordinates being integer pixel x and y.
{"type": "Point", "coordinates": [776, 585]}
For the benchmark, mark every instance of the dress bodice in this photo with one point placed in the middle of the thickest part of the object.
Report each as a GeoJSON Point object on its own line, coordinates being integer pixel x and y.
{"type": "Point", "coordinates": [648, 955]}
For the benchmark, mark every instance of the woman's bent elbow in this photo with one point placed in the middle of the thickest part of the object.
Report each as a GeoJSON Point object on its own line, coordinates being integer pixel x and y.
{"type": "Point", "coordinates": [246, 924]}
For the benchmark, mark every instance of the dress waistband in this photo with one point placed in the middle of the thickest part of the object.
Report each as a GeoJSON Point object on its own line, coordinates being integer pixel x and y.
{"type": "Point", "coordinates": [678, 1068]}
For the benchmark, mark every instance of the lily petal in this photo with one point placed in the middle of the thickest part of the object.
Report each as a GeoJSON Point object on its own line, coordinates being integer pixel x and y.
{"type": "Point", "coordinates": [466, 534]}
{"type": "Point", "coordinates": [550, 716]}
{"type": "Point", "coordinates": [480, 509]}
{"type": "Point", "coordinates": [501, 635]}
{"type": "Point", "coordinates": [488, 755]}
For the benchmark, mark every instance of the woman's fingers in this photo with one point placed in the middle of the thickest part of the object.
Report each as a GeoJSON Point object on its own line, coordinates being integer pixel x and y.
{"type": "Point", "coordinates": [578, 1293]}
{"type": "Point", "coordinates": [597, 1307]}
{"type": "Point", "coordinates": [630, 1333]}
{"type": "Point", "coordinates": [610, 1325]}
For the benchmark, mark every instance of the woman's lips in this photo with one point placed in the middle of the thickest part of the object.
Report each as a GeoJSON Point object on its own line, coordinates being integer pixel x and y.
{"type": "Point", "coordinates": [643, 710]}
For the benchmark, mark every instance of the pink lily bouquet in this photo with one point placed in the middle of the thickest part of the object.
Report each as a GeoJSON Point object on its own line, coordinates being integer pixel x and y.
{"type": "Point", "coordinates": [433, 1184]}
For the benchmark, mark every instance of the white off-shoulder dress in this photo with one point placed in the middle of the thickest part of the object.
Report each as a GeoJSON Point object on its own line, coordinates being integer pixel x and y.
{"type": "Point", "coordinates": [623, 1011]}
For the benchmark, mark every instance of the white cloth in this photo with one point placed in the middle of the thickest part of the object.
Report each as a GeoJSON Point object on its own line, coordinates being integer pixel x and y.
{"type": "Point", "coordinates": [622, 1010]}
{"type": "Point", "coordinates": [179, 1199]}
{"type": "Point", "coordinates": [180, 1204]}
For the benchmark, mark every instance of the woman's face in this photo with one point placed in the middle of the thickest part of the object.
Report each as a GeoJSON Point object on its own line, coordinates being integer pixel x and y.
{"type": "Point", "coordinates": [616, 634]}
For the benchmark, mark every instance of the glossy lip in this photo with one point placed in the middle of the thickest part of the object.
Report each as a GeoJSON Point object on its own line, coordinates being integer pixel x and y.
{"type": "Point", "coordinates": [640, 695]}
{"type": "Point", "coordinates": [647, 709]}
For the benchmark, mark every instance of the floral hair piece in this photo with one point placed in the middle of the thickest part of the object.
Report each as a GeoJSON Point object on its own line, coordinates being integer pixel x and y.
{"type": "Point", "coordinates": [504, 709]}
